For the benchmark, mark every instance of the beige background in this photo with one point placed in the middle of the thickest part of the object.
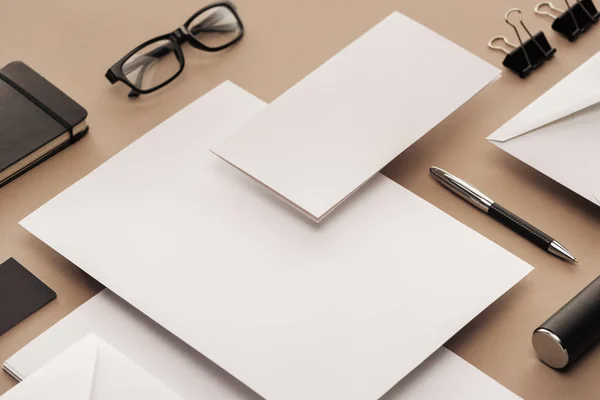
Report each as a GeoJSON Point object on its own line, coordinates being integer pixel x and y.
{"type": "Point", "coordinates": [73, 43]}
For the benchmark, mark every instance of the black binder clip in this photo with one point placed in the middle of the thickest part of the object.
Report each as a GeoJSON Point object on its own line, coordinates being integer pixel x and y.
{"type": "Point", "coordinates": [573, 22]}
{"type": "Point", "coordinates": [530, 55]}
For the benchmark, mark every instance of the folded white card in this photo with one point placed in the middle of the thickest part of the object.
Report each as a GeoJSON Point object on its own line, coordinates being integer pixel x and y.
{"type": "Point", "coordinates": [327, 135]}
{"type": "Point", "coordinates": [557, 134]}
{"type": "Point", "coordinates": [293, 309]}
{"type": "Point", "coordinates": [442, 375]}
{"type": "Point", "coordinates": [90, 370]}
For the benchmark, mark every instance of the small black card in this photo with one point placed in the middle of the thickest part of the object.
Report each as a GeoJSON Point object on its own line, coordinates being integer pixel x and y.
{"type": "Point", "coordinates": [21, 294]}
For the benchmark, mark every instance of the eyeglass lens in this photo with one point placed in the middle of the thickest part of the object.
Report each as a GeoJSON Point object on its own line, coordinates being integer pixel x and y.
{"type": "Point", "coordinates": [215, 27]}
{"type": "Point", "coordinates": [152, 65]}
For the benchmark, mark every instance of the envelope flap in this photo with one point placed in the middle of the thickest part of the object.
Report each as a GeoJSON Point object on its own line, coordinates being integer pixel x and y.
{"type": "Point", "coordinates": [577, 91]}
{"type": "Point", "coordinates": [117, 377]}
{"type": "Point", "coordinates": [69, 376]}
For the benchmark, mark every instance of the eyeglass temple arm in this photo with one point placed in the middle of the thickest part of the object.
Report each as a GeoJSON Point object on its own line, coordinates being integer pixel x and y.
{"type": "Point", "coordinates": [139, 77]}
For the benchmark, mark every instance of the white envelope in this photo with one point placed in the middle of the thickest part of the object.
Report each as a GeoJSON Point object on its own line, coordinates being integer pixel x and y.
{"type": "Point", "coordinates": [90, 370]}
{"type": "Point", "coordinates": [322, 139]}
{"type": "Point", "coordinates": [558, 133]}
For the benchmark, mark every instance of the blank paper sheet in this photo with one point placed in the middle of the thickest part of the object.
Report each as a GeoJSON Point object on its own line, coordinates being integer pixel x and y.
{"type": "Point", "coordinates": [295, 310]}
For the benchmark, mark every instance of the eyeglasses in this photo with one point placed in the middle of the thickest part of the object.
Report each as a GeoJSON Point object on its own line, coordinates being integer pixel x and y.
{"type": "Point", "coordinates": [157, 62]}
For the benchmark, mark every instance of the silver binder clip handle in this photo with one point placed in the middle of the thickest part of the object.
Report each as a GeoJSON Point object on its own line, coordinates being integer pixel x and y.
{"type": "Point", "coordinates": [539, 9]}
{"type": "Point", "coordinates": [493, 46]}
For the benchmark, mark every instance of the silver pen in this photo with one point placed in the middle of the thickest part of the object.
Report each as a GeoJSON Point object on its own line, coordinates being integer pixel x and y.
{"type": "Point", "coordinates": [502, 215]}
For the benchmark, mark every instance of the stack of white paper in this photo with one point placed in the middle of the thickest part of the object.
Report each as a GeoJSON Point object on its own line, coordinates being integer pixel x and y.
{"type": "Point", "coordinates": [294, 310]}
{"type": "Point", "coordinates": [442, 375]}
{"type": "Point", "coordinates": [336, 128]}
{"type": "Point", "coordinates": [558, 133]}
{"type": "Point", "coordinates": [90, 370]}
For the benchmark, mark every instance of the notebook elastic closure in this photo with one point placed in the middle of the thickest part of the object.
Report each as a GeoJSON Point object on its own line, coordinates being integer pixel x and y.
{"type": "Point", "coordinates": [41, 105]}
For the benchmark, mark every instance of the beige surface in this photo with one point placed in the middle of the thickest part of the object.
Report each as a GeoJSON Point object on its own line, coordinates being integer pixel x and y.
{"type": "Point", "coordinates": [72, 43]}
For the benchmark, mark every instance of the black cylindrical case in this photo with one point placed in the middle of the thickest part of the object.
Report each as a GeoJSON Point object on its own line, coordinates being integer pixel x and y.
{"type": "Point", "coordinates": [572, 330]}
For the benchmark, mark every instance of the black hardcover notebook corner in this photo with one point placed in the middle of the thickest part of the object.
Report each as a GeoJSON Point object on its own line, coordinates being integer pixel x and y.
{"type": "Point", "coordinates": [37, 120]}
{"type": "Point", "coordinates": [21, 294]}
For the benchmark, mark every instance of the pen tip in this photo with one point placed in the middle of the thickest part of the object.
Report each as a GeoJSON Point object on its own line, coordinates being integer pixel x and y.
{"type": "Point", "coordinates": [433, 169]}
{"type": "Point", "coordinates": [559, 250]}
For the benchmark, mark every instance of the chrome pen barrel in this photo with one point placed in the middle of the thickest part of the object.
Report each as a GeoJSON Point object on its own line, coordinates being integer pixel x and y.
{"type": "Point", "coordinates": [462, 189]}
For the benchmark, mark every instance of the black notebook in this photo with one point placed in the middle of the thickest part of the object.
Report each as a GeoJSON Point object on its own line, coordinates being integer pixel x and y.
{"type": "Point", "coordinates": [37, 120]}
{"type": "Point", "coordinates": [21, 294]}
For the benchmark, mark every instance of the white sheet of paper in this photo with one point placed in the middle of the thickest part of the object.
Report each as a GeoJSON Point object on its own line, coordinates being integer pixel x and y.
{"type": "Point", "coordinates": [442, 375]}
{"type": "Point", "coordinates": [336, 128]}
{"type": "Point", "coordinates": [90, 370]}
{"type": "Point", "coordinates": [557, 134]}
{"type": "Point", "coordinates": [295, 310]}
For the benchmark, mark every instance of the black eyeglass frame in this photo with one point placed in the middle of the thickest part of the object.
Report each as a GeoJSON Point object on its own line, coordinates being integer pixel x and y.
{"type": "Point", "coordinates": [177, 37]}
